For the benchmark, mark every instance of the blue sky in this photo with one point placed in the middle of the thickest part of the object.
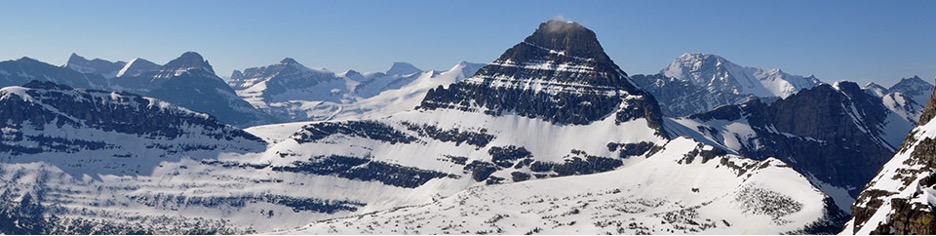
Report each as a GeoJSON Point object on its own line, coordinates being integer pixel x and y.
{"type": "Point", "coordinates": [862, 41]}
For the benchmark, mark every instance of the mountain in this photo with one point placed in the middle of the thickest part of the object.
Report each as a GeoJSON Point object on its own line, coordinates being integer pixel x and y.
{"type": "Point", "coordinates": [24, 70]}
{"type": "Point", "coordinates": [371, 84]}
{"type": "Point", "coordinates": [683, 98]}
{"type": "Point", "coordinates": [838, 135]}
{"type": "Point", "coordinates": [57, 140]}
{"type": "Point", "coordinates": [696, 83]}
{"type": "Point", "coordinates": [552, 106]}
{"type": "Point", "coordinates": [551, 137]}
{"type": "Point", "coordinates": [102, 67]}
{"type": "Point", "coordinates": [293, 92]}
{"type": "Point", "coordinates": [289, 90]}
{"type": "Point", "coordinates": [875, 89]}
{"type": "Point", "coordinates": [918, 89]}
{"type": "Point", "coordinates": [906, 97]}
{"type": "Point", "coordinates": [403, 68]}
{"type": "Point", "coordinates": [406, 97]}
{"type": "Point", "coordinates": [44, 121]}
{"type": "Point", "coordinates": [136, 67]}
{"type": "Point", "coordinates": [189, 81]}
{"type": "Point", "coordinates": [718, 74]}
{"type": "Point", "coordinates": [681, 190]}
{"type": "Point", "coordinates": [899, 200]}
{"type": "Point", "coordinates": [560, 67]}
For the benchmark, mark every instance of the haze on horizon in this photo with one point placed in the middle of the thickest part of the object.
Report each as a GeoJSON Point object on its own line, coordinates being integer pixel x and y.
{"type": "Point", "coordinates": [862, 41]}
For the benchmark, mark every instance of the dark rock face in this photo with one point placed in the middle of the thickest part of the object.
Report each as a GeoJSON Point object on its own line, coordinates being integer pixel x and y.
{"type": "Point", "coordinates": [681, 98]}
{"type": "Point", "coordinates": [908, 219]}
{"type": "Point", "coordinates": [479, 139]}
{"type": "Point", "coordinates": [905, 217]}
{"type": "Point", "coordinates": [366, 170]}
{"type": "Point", "coordinates": [506, 156]}
{"type": "Point", "coordinates": [44, 103]}
{"type": "Point", "coordinates": [559, 74]}
{"type": "Point", "coordinates": [364, 129]}
{"type": "Point", "coordinates": [929, 111]}
{"type": "Point", "coordinates": [171, 201]}
{"type": "Point", "coordinates": [817, 132]}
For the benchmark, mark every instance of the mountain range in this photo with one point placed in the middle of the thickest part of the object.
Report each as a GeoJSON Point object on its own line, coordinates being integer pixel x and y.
{"type": "Point", "coordinates": [551, 137]}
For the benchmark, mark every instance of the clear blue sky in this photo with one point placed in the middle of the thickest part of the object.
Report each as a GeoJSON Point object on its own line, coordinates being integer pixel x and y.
{"type": "Point", "coordinates": [862, 41]}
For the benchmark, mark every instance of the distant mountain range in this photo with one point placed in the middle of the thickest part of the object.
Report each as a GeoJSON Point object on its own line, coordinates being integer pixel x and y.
{"type": "Point", "coordinates": [551, 137]}
{"type": "Point", "coordinates": [294, 92]}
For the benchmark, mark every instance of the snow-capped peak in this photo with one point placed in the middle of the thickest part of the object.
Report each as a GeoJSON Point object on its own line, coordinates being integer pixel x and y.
{"type": "Point", "coordinates": [717, 74]}
{"type": "Point", "coordinates": [136, 67]}
{"type": "Point", "coordinates": [402, 68]}
{"type": "Point", "coordinates": [467, 68]}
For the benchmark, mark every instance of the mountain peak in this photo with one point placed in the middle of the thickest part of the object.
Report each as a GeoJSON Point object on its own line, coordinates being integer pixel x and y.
{"type": "Point", "coordinates": [27, 59]}
{"type": "Point", "coordinates": [913, 80]}
{"type": "Point", "coordinates": [74, 58]}
{"type": "Point", "coordinates": [136, 67]}
{"type": "Point", "coordinates": [703, 58]}
{"type": "Point", "coordinates": [354, 75]}
{"type": "Point", "coordinates": [189, 60]}
{"type": "Point", "coordinates": [567, 37]}
{"type": "Point", "coordinates": [193, 56]}
{"type": "Point", "coordinates": [525, 81]}
{"type": "Point", "coordinates": [558, 26]}
{"type": "Point", "coordinates": [846, 86]}
{"type": "Point", "coordinates": [288, 61]}
{"type": "Point", "coordinates": [402, 68]}
{"type": "Point", "coordinates": [719, 75]}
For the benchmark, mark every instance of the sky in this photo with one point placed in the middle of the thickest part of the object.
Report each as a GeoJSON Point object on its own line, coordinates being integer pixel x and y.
{"type": "Point", "coordinates": [862, 41]}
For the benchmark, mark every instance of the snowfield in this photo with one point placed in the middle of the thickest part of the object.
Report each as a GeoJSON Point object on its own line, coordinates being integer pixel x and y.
{"type": "Point", "coordinates": [668, 193]}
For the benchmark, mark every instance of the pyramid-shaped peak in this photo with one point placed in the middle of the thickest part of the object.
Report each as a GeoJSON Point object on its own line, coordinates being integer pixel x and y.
{"type": "Point", "coordinates": [914, 79]}
{"type": "Point", "coordinates": [288, 60]}
{"type": "Point", "coordinates": [402, 68]}
{"type": "Point", "coordinates": [75, 58]}
{"type": "Point", "coordinates": [189, 60]}
{"type": "Point", "coordinates": [911, 83]}
{"type": "Point", "coordinates": [567, 37]}
{"type": "Point", "coordinates": [136, 67]}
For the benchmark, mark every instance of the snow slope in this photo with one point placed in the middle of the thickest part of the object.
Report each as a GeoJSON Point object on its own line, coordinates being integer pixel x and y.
{"type": "Point", "coordinates": [670, 192]}
{"type": "Point", "coordinates": [836, 135]}
{"type": "Point", "coordinates": [900, 199]}
{"type": "Point", "coordinates": [552, 111]}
